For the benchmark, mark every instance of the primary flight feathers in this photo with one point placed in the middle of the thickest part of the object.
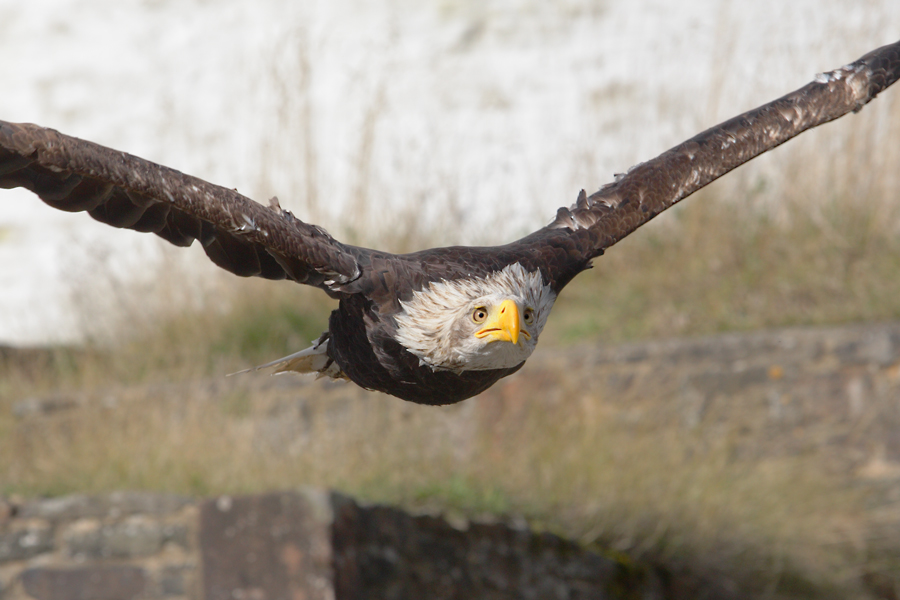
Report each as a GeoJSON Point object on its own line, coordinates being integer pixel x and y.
{"type": "Point", "coordinates": [435, 326]}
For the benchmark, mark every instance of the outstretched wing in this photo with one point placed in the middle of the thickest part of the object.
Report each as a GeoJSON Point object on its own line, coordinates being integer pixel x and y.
{"type": "Point", "coordinates": [598, 221]}
{"type": "Point", "coordinates": [238, 234]}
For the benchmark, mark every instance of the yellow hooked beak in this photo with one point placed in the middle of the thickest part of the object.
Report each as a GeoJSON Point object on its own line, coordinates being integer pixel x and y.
{"type": "Point", "coordinates": [503, 324]}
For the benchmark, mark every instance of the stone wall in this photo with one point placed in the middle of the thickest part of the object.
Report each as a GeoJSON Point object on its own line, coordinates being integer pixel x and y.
{"type": "Point", "coordinates": [306, 544]}
{"type": "Point", "coordinates": [119, 546]}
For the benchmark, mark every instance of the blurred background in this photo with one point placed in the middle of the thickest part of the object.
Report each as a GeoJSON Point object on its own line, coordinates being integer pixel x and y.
{"type": "Point", "coordinates": [407, 124]}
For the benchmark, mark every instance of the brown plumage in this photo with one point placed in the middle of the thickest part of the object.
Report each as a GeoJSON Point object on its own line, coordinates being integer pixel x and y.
{"type": "Point", "coordinates": [376, 336]}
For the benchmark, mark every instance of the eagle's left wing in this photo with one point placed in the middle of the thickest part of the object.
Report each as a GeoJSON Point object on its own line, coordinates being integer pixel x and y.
{"type": "Point", "coordinates": [598, 221]}
{"type": "Point", "coordinates": [122, 190]}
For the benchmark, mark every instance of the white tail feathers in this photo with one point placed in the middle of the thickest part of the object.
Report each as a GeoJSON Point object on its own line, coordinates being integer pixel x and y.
{"type": "Point", "coordinates": [314, 359]}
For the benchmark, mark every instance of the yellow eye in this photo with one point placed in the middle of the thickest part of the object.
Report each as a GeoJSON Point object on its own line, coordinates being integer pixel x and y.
{"type": "Point", "coordinates": [479, 314]}
{"type": "Point", "coordinates": [529, 316]}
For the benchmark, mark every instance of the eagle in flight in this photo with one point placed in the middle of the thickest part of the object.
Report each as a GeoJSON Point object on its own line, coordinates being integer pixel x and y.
{"type": "Point", "coordinates": [436, 326]}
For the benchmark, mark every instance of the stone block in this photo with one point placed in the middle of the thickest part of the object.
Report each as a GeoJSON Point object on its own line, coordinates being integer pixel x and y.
{"type": "Point", "coordinates": [25, 540]}
{"type": "Point", "coordinates": [382, 553]}
{"type": "Point", "coordinates": [174, 580]}
{"type": "Point", "coordinates": [134, 537]}
{"type": "Point", "coordinates": [116, 582]}
{"type": "Point", "coordinates": [114, 505]}
{"type": "Point", "coordinates": [270, 546]}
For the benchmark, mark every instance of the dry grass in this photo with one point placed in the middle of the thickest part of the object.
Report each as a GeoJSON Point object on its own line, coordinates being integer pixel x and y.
{"type": "Point", "coordinates": [653, 491]}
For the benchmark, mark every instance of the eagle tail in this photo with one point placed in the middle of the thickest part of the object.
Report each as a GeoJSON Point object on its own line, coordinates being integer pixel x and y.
{"type": "Point", "coordinates": [314, 359]}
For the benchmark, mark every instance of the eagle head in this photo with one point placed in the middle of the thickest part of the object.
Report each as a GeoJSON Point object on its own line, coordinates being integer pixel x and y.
{"type": "Point", "coordinates": [476, 323]}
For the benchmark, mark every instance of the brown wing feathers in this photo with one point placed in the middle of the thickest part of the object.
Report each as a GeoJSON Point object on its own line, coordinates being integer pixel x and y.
{"type": "Point", "coordinates": [249, 239]}
{"type": "Point", "coordinates": [651, 187]}
{"type": "Point", "coordinates": [237, 233]}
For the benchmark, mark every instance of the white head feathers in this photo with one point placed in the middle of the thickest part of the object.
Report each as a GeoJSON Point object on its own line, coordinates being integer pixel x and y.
{"type": "Point", "coordinates": [437, 327]}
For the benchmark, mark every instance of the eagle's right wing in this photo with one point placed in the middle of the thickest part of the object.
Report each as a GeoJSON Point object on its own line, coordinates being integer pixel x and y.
{"type": "Point", "coordinates": [598, 221]}
{"type": "Point", "coordinates": [122, 190]}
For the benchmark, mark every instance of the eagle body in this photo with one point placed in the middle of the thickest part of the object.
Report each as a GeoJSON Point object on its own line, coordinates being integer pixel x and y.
{"type": "Point", "coordinates": [439, 325]}
{"type": "Point", "coordinates": [362, 345]}
{"type": "Point", "coordinates": [369, 334]}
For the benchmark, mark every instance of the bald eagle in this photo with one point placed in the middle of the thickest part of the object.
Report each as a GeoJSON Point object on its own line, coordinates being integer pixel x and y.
{"type": "Point", "coordinates": [440, 325]}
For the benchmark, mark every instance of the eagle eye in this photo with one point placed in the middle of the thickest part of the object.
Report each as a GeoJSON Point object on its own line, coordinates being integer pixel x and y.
{"type": "Point", "coordinates": [529, 316]}
{"type": "Point", "coordinates": [479, 314]}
